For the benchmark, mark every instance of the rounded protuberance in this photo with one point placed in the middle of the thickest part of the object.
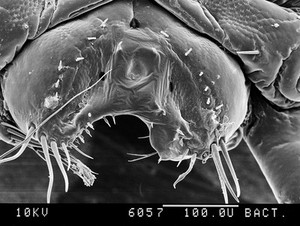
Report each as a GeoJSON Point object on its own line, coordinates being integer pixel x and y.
{"type": "Point", "coordinates": [235, 139]}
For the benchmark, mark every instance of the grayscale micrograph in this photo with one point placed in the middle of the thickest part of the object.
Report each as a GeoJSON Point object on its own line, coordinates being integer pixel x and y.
{"type": "Point", "coordinates": [142, 101]}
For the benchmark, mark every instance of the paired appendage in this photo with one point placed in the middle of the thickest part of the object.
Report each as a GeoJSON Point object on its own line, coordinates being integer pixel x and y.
{"type": "Point", "coordinates": [67, 160]}
{"type": "Point", "coordinates": [49, 165]}
{"type": "Point", "coordinates": [221, 172]}
{"type": "Point", "coordinates": [215, 155]}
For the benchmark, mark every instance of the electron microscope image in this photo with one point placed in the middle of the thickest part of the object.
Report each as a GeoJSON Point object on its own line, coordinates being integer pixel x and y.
{"type": "Point", "coordinates": [149, 101]}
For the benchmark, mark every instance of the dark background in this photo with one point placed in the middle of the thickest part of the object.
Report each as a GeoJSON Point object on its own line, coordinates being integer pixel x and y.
{"type": "Point", "coordinates": [26, 179]}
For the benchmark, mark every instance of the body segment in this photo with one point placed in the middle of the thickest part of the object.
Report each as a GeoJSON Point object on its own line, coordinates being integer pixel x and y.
{"type": "Point", "coordinates": [182, 67]}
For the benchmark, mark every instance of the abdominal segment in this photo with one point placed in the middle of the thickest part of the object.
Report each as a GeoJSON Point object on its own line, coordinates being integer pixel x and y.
{"type": "Point", "coordinates": [135, 61]}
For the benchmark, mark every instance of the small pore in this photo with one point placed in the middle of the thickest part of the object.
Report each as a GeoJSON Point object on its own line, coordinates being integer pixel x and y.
{"type": "Point", "coordinates": [205, 156]}
{"type": "Point", "coordinates": [101, 77]}
{"type": "Point", "coordinates": [25, 26]}
{"type": "Point", "coordinates": [134, 23]}
{"type": "Point", "coordinates": [171, 87]}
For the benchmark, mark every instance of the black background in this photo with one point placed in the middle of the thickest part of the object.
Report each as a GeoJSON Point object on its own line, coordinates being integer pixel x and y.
{"type": "Point", "coordinates": [25, 180]}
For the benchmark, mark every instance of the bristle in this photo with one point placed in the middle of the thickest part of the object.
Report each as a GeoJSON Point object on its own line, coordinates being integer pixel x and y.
{"type": "Point", "coordinates": [221, 173]}
{"type": "Point", "coordinates": [23, 145]}
{"type": "Point", "coordinates": [183, 157]}
{"type": "Point", "coordinates": [90, 126]}
{"type": "Point", "coordinates": [183, 175]}
{"type": "Point", "coordinates": [88, 132]}
{"type": "Point", "coordinates": [250, 52]}
{"type": "Point", "coordinates": [81, 138]}
{"type": "Point", "coordinates": [140, 156]}
{"type": "Point", "coordinates": [66, 151]}
{"type": "Point", "coordinates": [230, 166]}
{"type": "Point", "coordinates": [114, 119]}
{"type": "Point", "coordinates": [49, 165]}
{"type": "Point", "coordinates": [106, 121]}
{"type": "Point", "coordinates": [55, 151]}
{"type": "Point", "coordinates": [80, 152]}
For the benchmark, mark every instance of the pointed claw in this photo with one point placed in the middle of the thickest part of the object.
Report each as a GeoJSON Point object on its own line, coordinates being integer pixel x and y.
{"type": "Point", "coordinates": [230, 166]}
{"type": "Point", "coordinates": [60, 164]}
{"type": "Point", "coordinates": [81, 152]}
{"type": "Point", "coordinates": [141, 156]}
{"type": "Point", "coordinates": [81, 138]}
{"type": "Point", "coordinates": [88, 132]}
{"type": "Point", "coordinates": [106, 121]}
{"type": "Point", "coordinates": [221, 172]}
{"type": "Point", "coordinates": [64, 147]}
{"type": "Point", "coordinates": [90, 125]}
{"type": "Point", "coordinates": [49, 165]}
{"type": "Point", "coordinates": [183, 175]}
{"type": "Point", "coordinates": [114, 119]}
